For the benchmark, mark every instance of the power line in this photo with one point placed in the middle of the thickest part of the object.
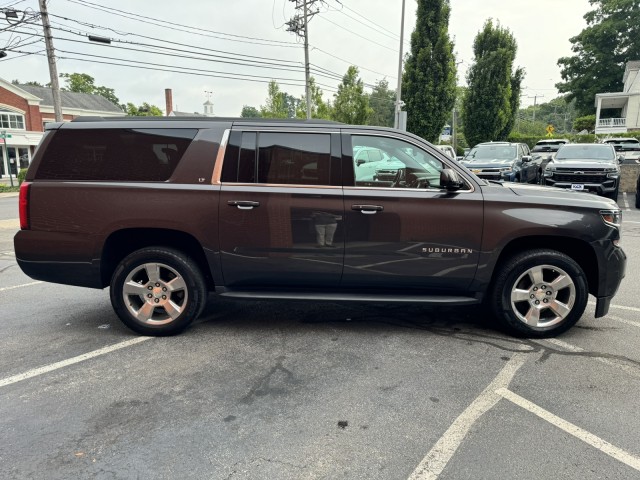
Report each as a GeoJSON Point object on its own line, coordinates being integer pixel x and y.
{"type": "Point", "coordinates": [357, 34]}
{"type": "Point", "coordinates": [183, 28]}
{"type": "Point", "coordinates": [351, 63]}
{"type": "Point", "coordinates": [391, 35]}
{"type": "Point", "coordinates": [397, 37]}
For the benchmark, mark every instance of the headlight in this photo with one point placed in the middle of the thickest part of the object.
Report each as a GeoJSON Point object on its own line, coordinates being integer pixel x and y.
{"type": "Point", "coordinates": [506, 169]}
{"type": "Point", "coordinates": [548, 172]}
{"type": "Point", "coordinates": [612, 217]}
{"type": "Point", "coordinates": [613, 174]}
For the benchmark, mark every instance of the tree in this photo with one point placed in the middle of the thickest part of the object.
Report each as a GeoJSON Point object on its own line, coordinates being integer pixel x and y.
{"type": "Point", "coordinates": [493, 95]}
{"type": "Point", "coordinates": [144, 110]}
{"type": "Point", "coordinates": [319, 108]}
{"type": "Point", "coordinates": [588, 123]}
{"type": "Point", "coordinates": [351, 104]}
{"type": "Point", "coordinates": [382, 103]}
{"type": "Point", "coordinates": [84, 83]}
{"type": "Point", "coordinates": [31, 83]}
{"type": "Point", "coordinates": [249, 112]}
{"type": "Point", "coordinates": [611, 38]}
{"type": "Point", "coordinates": [277, 104]}
{"type": "Point", "coordinates": [429, 79]}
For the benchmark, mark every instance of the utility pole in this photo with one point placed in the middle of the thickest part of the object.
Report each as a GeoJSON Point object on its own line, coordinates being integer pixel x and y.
{"type": "Point", "coordinates": [300, 26]}
{"type": "Point", "coordinates": [535, 99]}
{"type": "Point", "coordinates": [399, 103]}
{"type": "Point", "coordinates": [53, 69]}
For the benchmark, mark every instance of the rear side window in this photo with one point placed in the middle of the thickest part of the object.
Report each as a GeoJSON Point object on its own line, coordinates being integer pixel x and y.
{"type": "Point", "coordinates": [140, 155]}
{"type": "Point", "coordinates": [279, 158]}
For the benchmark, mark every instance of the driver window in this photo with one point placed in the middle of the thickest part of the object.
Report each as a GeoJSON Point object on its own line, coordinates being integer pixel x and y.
{"type": "Point", "coordinates": [391, 163]}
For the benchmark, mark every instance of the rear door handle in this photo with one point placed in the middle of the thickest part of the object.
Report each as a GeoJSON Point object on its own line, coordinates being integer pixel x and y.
{"type": "Point", "coordinates": [368, 209]}
{"type": "Point", "coordinates": [243, 204]}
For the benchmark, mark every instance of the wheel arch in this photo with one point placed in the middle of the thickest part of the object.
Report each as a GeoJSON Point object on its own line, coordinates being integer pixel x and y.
{"type": "Point", "coordinates": [580, 251]}
{"type": "Point", "coordinates": [123, 242]}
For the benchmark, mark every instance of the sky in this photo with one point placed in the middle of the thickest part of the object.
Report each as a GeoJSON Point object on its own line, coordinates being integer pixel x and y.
{"type": "Point", "coordinates": [252, 38]}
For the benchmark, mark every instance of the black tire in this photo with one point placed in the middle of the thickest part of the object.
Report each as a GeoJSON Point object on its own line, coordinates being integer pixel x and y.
{"type": "Point", "coordinates": [160, 306]}
{"type": "Point", "coordinates": [559, 306]}
{"type": "Point", "coordinates": [637, 199]}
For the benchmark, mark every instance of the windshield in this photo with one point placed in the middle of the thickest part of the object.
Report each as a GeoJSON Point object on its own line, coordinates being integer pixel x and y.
{"type": "Point", "coordinates": [492, 152]}
{"type": "Point", "coordinates": [586, 152]}
{"type": "Point", "coordinates": [546, 148]}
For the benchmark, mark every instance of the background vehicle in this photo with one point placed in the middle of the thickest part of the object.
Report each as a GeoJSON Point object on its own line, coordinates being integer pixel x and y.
{"type": "Point", "coordinates": [502, 161]}
{"type": "Point", "coordinates": [544, 150]}
{"type": "Point", "coordinates": [638, 192]}
{"type": "Point", "coordinates": [163, 211]}
{"type": "Point", "coordinates": [587, 167]}
{"type": "Point", "coordinates": [447, 150]}
{"type": "Point", "coordinates": [627, 147]}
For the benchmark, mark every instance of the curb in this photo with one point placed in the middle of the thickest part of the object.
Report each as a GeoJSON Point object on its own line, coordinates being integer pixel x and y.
{"type": "Point", "coordinates": [9, 194]}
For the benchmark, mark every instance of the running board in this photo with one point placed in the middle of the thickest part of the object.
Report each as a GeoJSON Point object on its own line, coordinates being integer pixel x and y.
{"type": "Point", "coordinates": [351, 297]}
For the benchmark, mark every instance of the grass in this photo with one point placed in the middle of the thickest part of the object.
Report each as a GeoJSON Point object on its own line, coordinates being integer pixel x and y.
{"type": "Point", "coordinates": [8, 188]}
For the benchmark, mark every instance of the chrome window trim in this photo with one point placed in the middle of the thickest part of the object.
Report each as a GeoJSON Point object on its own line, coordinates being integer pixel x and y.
{"type": "Point", "coordinates": [281, 185]}
{"type": "Point", "coordinates": [222, 149]}
{"type": "Point", "coordinates": [471, 190]}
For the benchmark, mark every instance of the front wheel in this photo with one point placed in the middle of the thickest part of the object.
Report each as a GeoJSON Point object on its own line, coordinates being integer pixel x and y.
{"type": "Point", "coordinates": [539, 293]}
{"type": "Point", "coordinates": [158, 291]}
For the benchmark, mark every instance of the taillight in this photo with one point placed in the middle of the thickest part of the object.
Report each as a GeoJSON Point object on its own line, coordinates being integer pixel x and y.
{"type": "Point", "coordinates": [23, 203]}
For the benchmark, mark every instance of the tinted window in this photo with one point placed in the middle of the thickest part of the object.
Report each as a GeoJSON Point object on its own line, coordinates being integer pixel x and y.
{"type": "Point", "coordinates": [294, 158]}
{"type": "Point", "coordinates": [114, 154]}
{"type": "Point", "coordinates": [492, 152]}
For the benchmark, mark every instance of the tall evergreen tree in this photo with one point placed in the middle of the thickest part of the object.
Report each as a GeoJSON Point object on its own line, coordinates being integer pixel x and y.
{"type": "Point", "coordinates": [382, 103]}
{"type": "Point", "coordinates": [351, 104]}
{"type": "Point", "coordinates": [493, 94]}
{"type": "Point", "coordinates": [429, 79]}
{"type": "Point", "coordinates": [611, 38]}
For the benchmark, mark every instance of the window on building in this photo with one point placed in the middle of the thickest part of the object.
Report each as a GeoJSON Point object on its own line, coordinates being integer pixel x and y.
{"type": "Point", "coordinates": [14, 121]}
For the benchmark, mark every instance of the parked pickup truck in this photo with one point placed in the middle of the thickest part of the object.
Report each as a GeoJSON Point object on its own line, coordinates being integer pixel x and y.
{"type": "Point", "coordinates": [164, 211]}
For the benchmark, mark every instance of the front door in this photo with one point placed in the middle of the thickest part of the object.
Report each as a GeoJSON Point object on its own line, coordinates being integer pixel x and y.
{"type": "Point", "coordinates": [281, 210]}
{"type": "Point", "coordinates": [403, 231]}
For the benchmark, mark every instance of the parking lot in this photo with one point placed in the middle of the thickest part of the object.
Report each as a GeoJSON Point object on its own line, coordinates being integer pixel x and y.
{"type": "Point", "coordinates": [266, 390]}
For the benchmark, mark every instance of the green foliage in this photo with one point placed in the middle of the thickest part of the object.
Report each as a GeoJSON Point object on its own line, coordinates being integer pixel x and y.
{"type": "Point", "coordinates": [250, 112]}
{"type": "Point", "coordinates": [84, 83]}
{"type": "Point", "coordinates": [279, 104]}
{"type": "Point", "coordinates": [144, 110]}
{"type": "Point", "coordinates": [8, 188]}
{"type": "Point", "coordinates": [493, 92]}
{"type": "Point", "coordinates": [588, 123]}
{"type": "Point", "coordinates": [351, 104]}
{"type": "Point", "coordinates": [31, 83]}
{"type": "Point", "coordinates": [382, 103]}
{"type": "Point", "coordinates": [319, 108]}
{"type": "Point", "coordinates": [601, 50]}
{"type": "Point", "coordinates": [429, 79]}
{"type": "Point", "coordinates": [557, 112]}
{"type": "Point", "coordinates": [22, 175]}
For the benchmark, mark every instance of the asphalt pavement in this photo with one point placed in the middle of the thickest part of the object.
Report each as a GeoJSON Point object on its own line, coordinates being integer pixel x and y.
{"type": "Point", "coordinates": [286, 390]}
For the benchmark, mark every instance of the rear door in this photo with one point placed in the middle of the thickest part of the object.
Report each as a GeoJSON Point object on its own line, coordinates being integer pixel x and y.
{"type": "Point", "coordinates": [281, 209]}
{"type": "Point", "coordinates": [406, 233]}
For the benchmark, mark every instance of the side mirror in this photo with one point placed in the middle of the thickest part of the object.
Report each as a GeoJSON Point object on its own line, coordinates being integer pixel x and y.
{"type": "Point", "coordinates": [526, 158]}
{"type": "Point", "coordinates": [359, 162]}
{"type": "Point", "coordinates": [620, 158]}
{"type": "Point", "coordinates": [450, 180]}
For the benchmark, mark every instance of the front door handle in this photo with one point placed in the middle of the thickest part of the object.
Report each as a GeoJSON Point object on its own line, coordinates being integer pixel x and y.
{"type": "Point", "coordinates": [368, 209]}
{"type": "Point", "coordinates": [243, 204]}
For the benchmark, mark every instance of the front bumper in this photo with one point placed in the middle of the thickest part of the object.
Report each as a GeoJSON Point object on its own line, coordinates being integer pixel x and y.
{"type": "Point", "coordinates": [603, 188]}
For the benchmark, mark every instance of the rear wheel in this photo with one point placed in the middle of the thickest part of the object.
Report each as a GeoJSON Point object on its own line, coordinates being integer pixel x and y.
{"type": "Point", "coordinates": [539, 293]}
{"type": "Point", "coordinates": [158, 291]}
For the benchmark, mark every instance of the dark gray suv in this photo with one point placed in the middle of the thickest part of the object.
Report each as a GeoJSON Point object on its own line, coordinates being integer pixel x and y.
{"type": "Point", "coordinates": [165, 211]}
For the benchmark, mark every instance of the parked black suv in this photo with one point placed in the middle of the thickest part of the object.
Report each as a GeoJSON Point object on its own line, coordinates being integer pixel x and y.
{"type": "Point", "coordinates": [165, 210]}
{"type": "Point", "coordinates": [585, 167]}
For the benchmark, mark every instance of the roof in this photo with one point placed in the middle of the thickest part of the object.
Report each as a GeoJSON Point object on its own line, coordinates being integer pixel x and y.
{"type": "Point", "coordinates": [82, 101]}
{"type": "Point", "coordinates": [186, 114]}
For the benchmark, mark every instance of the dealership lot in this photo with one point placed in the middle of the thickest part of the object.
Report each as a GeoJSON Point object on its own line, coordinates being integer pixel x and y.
{"type": "Point", "coordinates": [312, 390]}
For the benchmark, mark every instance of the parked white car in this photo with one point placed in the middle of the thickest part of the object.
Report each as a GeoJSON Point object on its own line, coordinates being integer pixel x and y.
{"type": "Point", "coordinates": [448, 150]}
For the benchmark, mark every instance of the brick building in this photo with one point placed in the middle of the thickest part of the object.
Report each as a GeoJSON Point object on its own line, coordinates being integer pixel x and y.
{"type": "Point", "coordinates": [24, 110]}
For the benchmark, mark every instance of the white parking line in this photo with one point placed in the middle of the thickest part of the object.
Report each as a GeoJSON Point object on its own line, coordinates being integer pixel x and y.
{"type": "Point", "coordinates": [624, 320]}
{"type": "Point", "coordinates": [626, 201]}
{"type": "Point", "coordinates": [440, 454]}
{"type": "Point", "coordinates": [630, 369]}
{"type": "Point", "coordinates": [620, 307]}
{"type": "Point", "coordinates": [570, 428]}
{"type": "Point", "coordinates": [19, 286]}
{"type": "Point", "coordinates": [70, 361]}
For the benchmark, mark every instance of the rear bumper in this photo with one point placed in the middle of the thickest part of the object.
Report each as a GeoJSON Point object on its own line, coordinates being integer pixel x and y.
{"type": "Point", "coordinates": [58, 258]}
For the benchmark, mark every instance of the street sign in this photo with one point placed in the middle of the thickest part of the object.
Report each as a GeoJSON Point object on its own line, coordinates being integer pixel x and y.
{"type": "Point", "coordinates": [550, 129]}
{"type": "Point", "coordinates": [4, 134]}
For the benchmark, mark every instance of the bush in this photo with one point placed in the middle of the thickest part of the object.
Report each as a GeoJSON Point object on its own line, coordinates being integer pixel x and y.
{"type": "Point", "coordinates": [587, 123]}
{"type": "Point", "coordinates": [21, 175]}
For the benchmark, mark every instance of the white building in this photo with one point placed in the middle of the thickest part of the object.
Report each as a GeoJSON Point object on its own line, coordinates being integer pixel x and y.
{"type": "Point", "coordinates": [626, 102]}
